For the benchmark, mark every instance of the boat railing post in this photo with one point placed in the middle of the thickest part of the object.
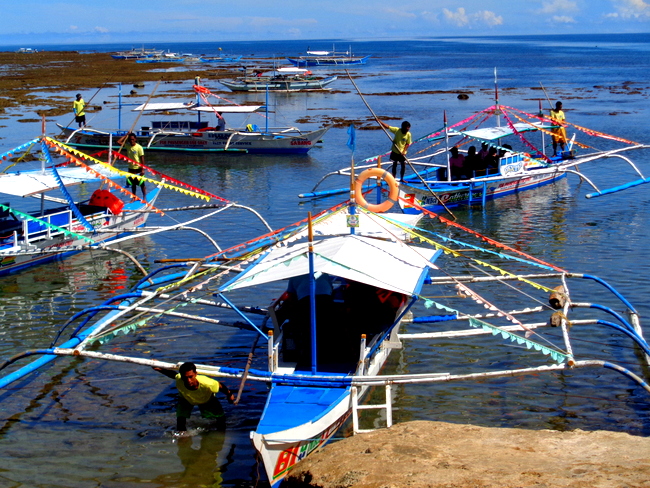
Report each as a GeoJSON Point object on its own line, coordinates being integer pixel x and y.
{"type": "Point", "coordinates": [354, 399]}
{"type": "Point", "coordinates": [389, 406]}
{"type": "Point", "coordinates": [484, 193]}
{"type": "Point", "coordinates": [25, 231]}
{"type": "Point", "coordinates": [361, 367]}
{"type": "Point", "coordinates": [271, 352]}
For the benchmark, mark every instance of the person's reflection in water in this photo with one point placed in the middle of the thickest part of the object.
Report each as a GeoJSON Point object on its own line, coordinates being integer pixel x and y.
{"type": "Point", "coordinates": [201, 467]}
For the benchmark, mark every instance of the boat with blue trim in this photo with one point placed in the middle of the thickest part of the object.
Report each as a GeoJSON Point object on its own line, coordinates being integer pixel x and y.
{"type": "Point", "coordinates": [365, 279]}
{"type": "Point", "coordinates": [198, 134]}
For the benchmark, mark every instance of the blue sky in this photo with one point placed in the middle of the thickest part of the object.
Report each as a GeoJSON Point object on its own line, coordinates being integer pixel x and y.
{"type": "Point", "coordinates": [88, 22]}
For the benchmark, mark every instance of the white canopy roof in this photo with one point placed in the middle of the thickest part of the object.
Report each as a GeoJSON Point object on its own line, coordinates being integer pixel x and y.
{"type": "Point", "coordinates": [28, 183]}
{"type": "Point", "coordinates": [371, 225]}
{"type": "Point", "coordinates": [172, 106]}
{"type": "Point", "coordinates": [494, 133]}
{"type": "Point", "coordinates": [292, 69]}
{"type": "Point", "coordinates": [389, 265]}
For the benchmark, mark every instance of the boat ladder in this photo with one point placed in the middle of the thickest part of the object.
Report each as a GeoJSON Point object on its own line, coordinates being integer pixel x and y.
{"type": "Point", "coordinates": [388, 406]}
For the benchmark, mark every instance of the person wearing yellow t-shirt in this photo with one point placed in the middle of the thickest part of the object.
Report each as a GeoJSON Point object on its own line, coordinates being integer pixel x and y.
{"type": "Point", "coordinates": [135, 152]}
{"type": "Point", "coordinates": [559, 134]}
{"type": "Point", "coordinates": [78, 107]}
{"type": "Point", "coordinates": [401, 143]}
{"type": "Point", "coordinates": [196, 390]}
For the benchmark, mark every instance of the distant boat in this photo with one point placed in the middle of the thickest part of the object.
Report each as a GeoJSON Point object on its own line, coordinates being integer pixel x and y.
{"type": "Point", "coordinates": [197, 136]}
{"type": "Point", "coordinates": [328, 58]}
{"type": "Point", "coordinates": [219, 59]}
{"type": "Point", "coordinates": [282, 79]}
{"type": "Point", "coordinates": [141, 53]}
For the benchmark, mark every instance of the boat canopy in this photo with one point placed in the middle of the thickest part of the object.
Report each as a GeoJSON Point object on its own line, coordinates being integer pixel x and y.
{"type": "Point", "coordinates": [28, 183]}
{"type": "Point", "coordinates": [495, 133]}
{"type": "Point", "coordinates": [384, 264]}
{"type": "Point", "coordinates": [167, 106]}
{"type": "Point", "coordinates": [387, 226]}
{"type": "Point", "coordinates": [292, 70]}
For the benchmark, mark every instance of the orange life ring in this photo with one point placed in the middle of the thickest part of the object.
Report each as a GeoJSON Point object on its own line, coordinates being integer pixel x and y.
{"type": "Point", "coordinates": [393, 190]}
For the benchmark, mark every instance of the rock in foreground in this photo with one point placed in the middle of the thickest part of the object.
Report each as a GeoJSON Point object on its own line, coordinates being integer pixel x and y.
{"type": "Point", "coordinates": [438, 454]}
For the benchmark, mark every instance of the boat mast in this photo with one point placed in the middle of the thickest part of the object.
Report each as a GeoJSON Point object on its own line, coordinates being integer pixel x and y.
{"type": "Point", "coordinates": [312, 294]}
{"type": "Point", "coordinates": [197, 82]}
{"type": "Point", "coordinates": [447, 144]}
{"type": "Point", "coordinates": [496, 98]}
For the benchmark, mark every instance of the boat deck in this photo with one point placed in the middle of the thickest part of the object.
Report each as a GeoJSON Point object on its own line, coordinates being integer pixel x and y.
{"type": "Point", "coordinates": [291, 406]}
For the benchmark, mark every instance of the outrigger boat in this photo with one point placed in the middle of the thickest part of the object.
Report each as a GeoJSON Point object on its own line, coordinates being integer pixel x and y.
{"type": "Point", "coordinates": [328, 58]}
{"type": "Point", "coordinates": [282, 79]}
{"type": "Point", "coordinates": [198, 135]}
{"type": "Point", "coordinates": [60, 224]}
{"type": "Point", "coordinates": [323, 354]}
{"type": "Point", "coordinates": [433, 186]}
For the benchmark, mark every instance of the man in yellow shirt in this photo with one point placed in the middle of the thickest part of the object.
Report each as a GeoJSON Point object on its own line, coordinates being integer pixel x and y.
{"type": "Point", "coordinates": [78, 107]}
{"type": "Point", "coordinates": [401, 143]}
{"type": "Point", "coordinates": [136, 153]}
{"type": "Point", "coordinates": [559, 134]}
{"type": "Point", "coordinates": [196, 389]}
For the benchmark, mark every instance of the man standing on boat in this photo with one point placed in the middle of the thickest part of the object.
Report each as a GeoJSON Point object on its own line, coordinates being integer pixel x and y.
{"type": "Point", "coordinates": [196, 389]}
{"type": "Point", "coordinates": [135, 152]}
{"type": "Point", "coordinates": [401, 143]}
{"type": "Point", "coordinates": [78, 107]}
{"type": "Point", "coordinates": [559, 134]}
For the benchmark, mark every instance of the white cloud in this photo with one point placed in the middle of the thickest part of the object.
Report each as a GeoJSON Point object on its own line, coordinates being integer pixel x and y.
{"type": "Point", "coordinates": [558, 6]}
{"type": "Point", "coordinates": [102, 30]}
{"type": "Point", "coordinates": [460, 18]}
{"type": "Point", "coordinates": [631, 9]}
{"type": "Point", "coordinates": [489, 18]}
{"type": "Point", "coordinates": [73, 27]}
{"type": "Point", "coordinates": [399, 13]}
{"type": "Point", "coordinates": [563, 19]}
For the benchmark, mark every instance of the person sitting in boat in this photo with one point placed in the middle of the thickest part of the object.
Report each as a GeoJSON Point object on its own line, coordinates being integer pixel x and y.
{"type": "Point", "coordinates": [472, 162]}
{"type": "Point", "coordinates": [221, 122]}
{"type": "Point", "coordinates": [78, 107]}
{"type": "Point", "coordinates": [136, 153]}
{"type": "Point", "coordinates": [491, 162]}
{"type": "Point", "coordinates": [559, 134]}
{"type": "Point", "coordinates": [485, 149]}
{"type": "Point", "coordinates": [456, 163]}
{"type": "Point", "coordinates": [197, 390]}
{"type": "Point", "coordinates": [401, 143]}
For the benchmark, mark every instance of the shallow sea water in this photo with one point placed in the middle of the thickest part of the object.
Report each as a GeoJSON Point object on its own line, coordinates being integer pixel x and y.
{"type": "Point", "coordinates": [86, 423]}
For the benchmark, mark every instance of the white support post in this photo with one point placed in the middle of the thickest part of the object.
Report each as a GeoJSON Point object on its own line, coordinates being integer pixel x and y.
{"type": "Point", "coordinates": [355, 410]}
{"type": "Point", "coordinates": [271, 352]}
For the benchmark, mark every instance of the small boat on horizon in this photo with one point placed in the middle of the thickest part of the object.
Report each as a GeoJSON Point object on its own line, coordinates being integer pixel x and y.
{"type": "Point", "coordinates": [328, 58]}
{"type": "Point", "coordinates": [280, 79]}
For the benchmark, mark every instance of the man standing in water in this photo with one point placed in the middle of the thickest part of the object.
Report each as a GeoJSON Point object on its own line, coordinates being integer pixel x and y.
{"type": "Point", "coordinates": [559, 134]}
{"type": "Point", "coordinates": [135, 152]}
{"type": "Point", "coordinates": [196, 389]}
{"type": "Point", "coordinates": [78, 107]}
{"type": "Point", "coordinates": [401, 143]}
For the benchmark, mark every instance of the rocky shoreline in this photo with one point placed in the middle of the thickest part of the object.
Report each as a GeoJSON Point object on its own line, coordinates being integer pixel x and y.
{"type": "Point", "coordinates": [444, 455]}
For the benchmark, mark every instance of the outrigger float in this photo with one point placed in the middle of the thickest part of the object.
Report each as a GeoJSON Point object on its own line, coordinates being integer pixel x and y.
{"type": "Point", "coordinates": [367, 283]}
{"type": "Point", "coordinates": [59, 224]}
{"type": "Point", "coordinates": [199, 135]}
{"type": "Point", "coordinates": [432, 185]}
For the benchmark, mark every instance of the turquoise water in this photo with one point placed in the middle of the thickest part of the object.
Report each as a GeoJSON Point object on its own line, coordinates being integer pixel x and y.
{"type": "Point", "coordinates": [86, 423]}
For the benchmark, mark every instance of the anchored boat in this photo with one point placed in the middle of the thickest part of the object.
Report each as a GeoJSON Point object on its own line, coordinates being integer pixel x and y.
{"type": "Point", "coordinates": [199, 135]}
{"type": "Point", "coordinates": [365, 280]}
{"type": "Point", "coordinates": [282, 79]}
{"type": "Point", "coordinates": [516, 161]}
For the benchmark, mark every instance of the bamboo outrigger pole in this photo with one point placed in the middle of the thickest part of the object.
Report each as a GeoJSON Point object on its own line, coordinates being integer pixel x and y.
{"type": "Point", "coordinates": [407, 160]}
